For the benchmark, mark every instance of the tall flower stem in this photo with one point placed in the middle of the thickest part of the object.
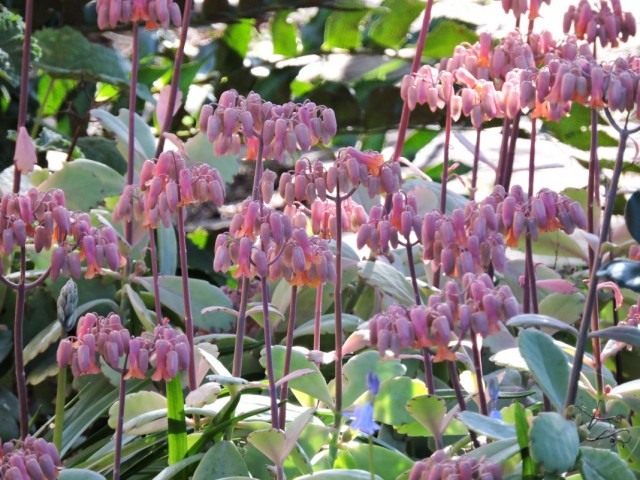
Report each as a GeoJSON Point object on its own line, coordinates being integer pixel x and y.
{"type": "Point", "coordinates": [477, 363]}
{"type": "Point", "coordinates": [593, 203]}
{"type": "Point", "coordinates": [593, 277]}
{"type": "Point", "coordinates": [58, 422]}
{"type": "Point", "coordinates": [23, 100]}
{"type": "Point", "coordinates": [317, 317]}
{"type": "Point", "coordinates": [504, 148]}
{"type": "Point", "coordinates": [338, 308]}
{"type": "Point", "coordinates": [476, 161]}
{"type": "Point", "coordinates": [175, 79]}
{"type": "Point", "coordinates": [415, 64]}
{"type": "Point", "coordinates": [291, 325]}
{"type": "Point", "coordinates": [186, 296]}
{"type": "Point", "coordinates": [117, 456]}
{"type": "Point", "coordinates": [241, 324]}
{"type": "Point", "coordinates": [18, 324]}
{"type": "Point", "coordinates": [153, 252]}
{"type": "Point", "coordinates": [269, 356]}
{"type": "Point", "coordinates": [511, 152]}
{"type": "Point", "coordinates": [444, 178]}
{"type": "Point", "coordinates": [131, 160]}
{"type": "Point", "coordinates": [530, 289]}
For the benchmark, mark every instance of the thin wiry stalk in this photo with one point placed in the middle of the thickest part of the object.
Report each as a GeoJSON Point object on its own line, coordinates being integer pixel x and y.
{"type": "Point", "coordinates": [18, 324]}
{"type": "Point", "coordinates": [317, 317]}
{"type": "Point", "coordinates": [131, 160]}
{"type": "Point", "coordinates": [117, 456]}
{"type": "Point", "coordinates": [593, 277]}
{"type": "Point", "coordinates": [477, 363]}
{"type": "Point", "coordinates": [476, 161]}
{"type": "Point", "coordinates": [23, 100]}
{"type": "Point", "coordinates": [415, 64]}
{"type": "Point", "coordinates": [338, 308]}
{"type": "Point", "coordinates": [153, 251]}
{"type": "Point", "coordinates": [175, 78]}
{"type": "Point", "coordinates": [511, 153]}
{"type": "Point", "coordinates": [269, 356]}
{"type": "Point", "coordinates": [530, 302]}
{"type": "Point", "coordinates": [186, 295]}
{"type": "Point", "coordinates": [291, 325]}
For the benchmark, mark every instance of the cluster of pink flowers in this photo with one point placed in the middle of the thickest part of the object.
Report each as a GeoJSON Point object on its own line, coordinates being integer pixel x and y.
{"type": "Point", "coordinates": [153, 13]}
{"type": "Point", "coordinates": [42, 219]}
{"type": "Point", "coordinates": [106, 337]}
{"type": "Point", "coordinates": [545, 212]}
{"type": "Point", "coordinates": [166, 185]}
{"type": "Point", "coordinates": [382, 230]}
{"type": "Point", "coordinates": [608, 24]}
{"type": "Point", "coordinates": [466, 241]}
{"type": "Point", "coordinates": [474, 304]}
{"type": "Point", "coordinates": [283, 129]}
{"type": "Point", "coordinates": [29, 459]}
{"type": "Point", "coordinates": [439, 466]}
{"type": "Point", "coordinates": [324, 219]}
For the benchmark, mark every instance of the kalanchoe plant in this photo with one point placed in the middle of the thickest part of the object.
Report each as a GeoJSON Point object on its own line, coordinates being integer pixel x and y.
{"type": "Point", "coordinates": [29, 459]}
{"type": "Point", "coordinates": [440, 467]}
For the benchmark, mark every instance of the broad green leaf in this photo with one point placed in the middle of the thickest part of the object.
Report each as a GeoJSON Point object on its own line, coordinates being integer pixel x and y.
{"type": "Point", "coordinates": [444, 35]}
{"type": "Point", "coordinates": [238, 35]}
{"type": "Point", "coordinates": [522, 434]}
{"type": "Point", "coordinates": [496, 452]}
{"type": "Point", "coordinates": [628, 392]}
{"type": "Point", "coordinates": [283, 34]}
{"type": "Point", "coordinates": [120, 128]}
{"type": "Point", "coordinates": [312, 384]}
{"type": "Point", "coordinates": [203, 295]}
{"type": "Point", "coordinates": [270, 442]}
{"type": "Point", "coordinates": [632, 215]}
{"type": "Point", "coordinates": [566, 308]}
{"type": "Point", "coordinates": [491, 427]}
{"type": "Point", "coordinates": [389, 280]}
{"type": "Point", "coordinates": [356, 369]}
{"type": "Point", "coordinates": [42, 341]}
{"type": "Point", "coordinates": [341, 475]}
{"type": "Point", "coordinates": [52, 93]}
{"type": "Point", "coordinates": [427, 195]}
{"type": "Point", "coordinates": [136, 404]}
{"type": "Point", "coordinates": [294, 430]}
{"type": "Point", "coordinates": [622, 333]}
{"type": "Point", "coordinates": [222, 460]}
{"type": "Point", "coordinates": [79, 474]}
{"type": "Point", "coordinates": [146, 317]}
{"type": "Point", "coordinates": [343, 30]}
{"type": "Point", "coordinates": [85, 183]}
{"type": "Point", "coordinates": [327, 325]}
{"type": "Point", "coordinates": [11, 40]}
{"type": "Point", "coordinates": [526, 320]}
{"type": "Point", "coordinates": [167, 250]}
{"type": "Point", "coordinates": [554, 442]}
{"type": "Point", "coordinates": [102, 150]}
{"type": "Point", "coordinates": [85, 61]}
{"type": "Point", "coordinates": [556, 244]}
{"type": "Point", "coordinates": [200, 150]}
{"type": "Point", "coordinates": [629, 450]}
{"type": "Point", "coordinates": [429, 410]}
{"type": "Point", "coordinates": [390, 26]}
{"type": "Point", "coordinates": [171, 472]}
{"type": "Point", "coordinates": [547, 363]}
{"type": "Point", "coordinates": [394, 393]}
{"type": "Point", "coordinates": [387, 463]}
{"type": "Point", "coordinates": [177, 434]}
{"type": "Point", "coordinates": [598, 464]}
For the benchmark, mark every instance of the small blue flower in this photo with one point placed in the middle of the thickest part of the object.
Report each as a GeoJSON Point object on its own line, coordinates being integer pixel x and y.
{"type": "Point", "coordinates": [362, 419]}
{"type": "Point", "coordinates": [373, 382]}
{"type": "Point", "coordinates": [494, 396]}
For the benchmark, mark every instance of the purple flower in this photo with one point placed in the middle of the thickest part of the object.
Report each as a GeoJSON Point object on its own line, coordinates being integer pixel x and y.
{"type": "Point", "coordinates": [362, 419]}
{"type": "Point", "coordinates": [373, 383]}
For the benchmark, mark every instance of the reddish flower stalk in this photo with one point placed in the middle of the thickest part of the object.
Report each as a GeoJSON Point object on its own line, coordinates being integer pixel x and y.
{"type": "Point", "coordinates": [317, 318]}
{"type": "Point", "coordinates": [477, 363]}
{"type": "Point", "coordinates": [530, 303]}
{"type": "Point", "coordinates": [132, 118]}
{"type": "Point", "coordinates": [186, 296]}
{"type": "Point", "coordinates": [590, 303]}
{"type": "Point", "coordinates": [291, 325]}
{"type": "Point", "coordinates": [504, 147]}
{"type": "Point", "coordinates": [175, 79]}
{"type": "Point", "coordinates": [511, 152]}
{"type": "Point", "coordinates": [406, 112]}
{"type": "Point", "coordinates": [18, 323]}
{"type": "Point", "coordinates": [269, 357]}
{"type": "Point", "coordinates": [476, 161]}
{"type": "Point", "coordinates": [338, 307]}
{"type": "Point", "coordinates": [153, 251]}
{"type": "Point", "coordinates": [24, 81]}
{"type": "Point", "coordinates": [117, 456]}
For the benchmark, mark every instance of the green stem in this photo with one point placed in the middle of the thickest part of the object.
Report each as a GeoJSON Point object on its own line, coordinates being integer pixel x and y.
{"type": "Point", "coordinates": [58, 424]}
{"type": "Point", "coordinates": [177, 433]}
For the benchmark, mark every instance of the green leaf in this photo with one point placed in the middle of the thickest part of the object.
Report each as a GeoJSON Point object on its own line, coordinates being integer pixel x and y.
{"type": "Point", "coordinates": [391, 26]}
{"type": "Point", "coordinates": [103, 150]}
{"type": "Point", "coordinates": [496, 452]}
{"type": "Point", "coordinates": [571, 129]}
{"type": "Point", "coordinates": [42, 341]}
{"type": "Point", "coordinates": [341, 475]}
{"type": "Point", "coordinates": [84, 61]}
{"type": "Point", "coordinates": [177, 435]}
{"type": "Point", "coordinates": [389, 280]}
{"type": "Point", "coordinates": [343, 30]}
{"type": "Point", "coordinates": [11, 40]}
{"type": "Point", "coordinates": [174, 471]}
{"type": "Point", "coordinates": [522, 434]}
{"type": "Point", "coordinates": [526, 320]}
{"type": "Point", "coordinates": [394, 393]}
{"type": "Point", "coordinates": [238, 35]}
{"type": "Point", "coordinates": [388, 464]}
{"type": "Point", "coordinates": [628, 392]}
{"type": "Point", "coordinates": [444, 35]}
{"type": "Point", "coordinates": [120, 128]}
{"type": "Point", "coordinates": [625, 334]}
{"type": "Point", "coordinates": [547, 363]}
{"type": "Point", "coordinates": [203, 295]}
{"type": "Point", "coordinates": [565, 308]}
{"type": "Point", "coordinates": [221, 460]}
{"type": "Point", "coordinates": [554, 442]}
{"type": "Point", "coordinates": [270, 442]}
{"type": "Point", "coordinates": [145, 316]}
{"type": "Point", "coordinates": [143, 134]}
{"type": "Point", "coordinates": [491, 427]}
{"type": "Point", "coordinates": [167, 250]}
{"type": "Point", "coordinates": [598, 464]}
{"type": "Point", "coordinates": [283, 34]}
{"type": "Point", "coordinates": [327, 325]}
{"type": "Point", "coordinates": [312, 384]}
{"type": "Point", "coordinates": [632, 215]}
{"type": "Point", "coordinates": [429, 410]}
{"type": "Point", "coordinates": [79, 474]}
{"type": "Point", "coordinates": [356, 369]}
{"type": "Point", "coordinates": [137, 404]}
{"type": "Point", "coordinates": [52, 93]}
{"type": "Point", "coordinates": [85, 183]}
{"type": "Point", "coordinates": [200, 150]}
{"type": "Point", "coordinates": [629, 450]}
